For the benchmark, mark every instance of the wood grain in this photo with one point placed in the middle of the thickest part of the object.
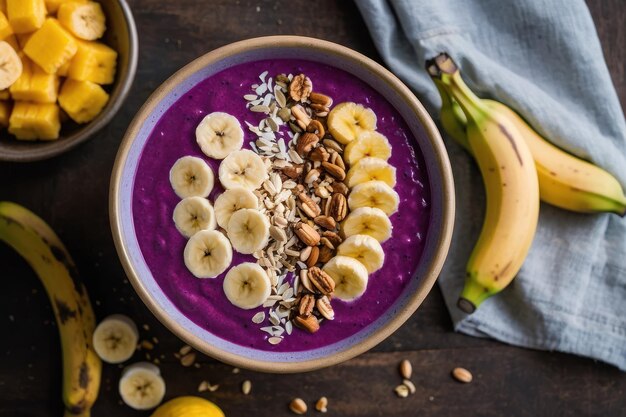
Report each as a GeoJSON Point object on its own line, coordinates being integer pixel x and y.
{"type": "Point", "coordinates": [71, 192]}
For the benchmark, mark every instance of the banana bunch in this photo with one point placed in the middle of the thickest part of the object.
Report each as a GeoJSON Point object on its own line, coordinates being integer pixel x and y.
{"type": "Point", "coordinates": [32, 238]}
{"type": "Point", "coordinates": [511, 183]}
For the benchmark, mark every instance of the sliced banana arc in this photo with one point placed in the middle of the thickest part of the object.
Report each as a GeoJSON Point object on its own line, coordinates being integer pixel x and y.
{"type": "Point", "coordinates": [141, 386]}
{"type": "Point", "coordinates": [367, 144]}
{"type": "Point", "coordinates": [207, 254]}
{"type": "Point", "coordinates": [346, 121]}
{"type": "Point", "coordinates": [191, 176]}
{"type": "Point", "coordinates": [115, 338]}
{"type": "Point", "coordinates": [350, 277]}
{"type": "Point", "coordinates": [364, 249]}
{"type": "Point", "coordinates": [247, 285]}
{"type": "Point", "coordinates": [244, 169]}
{"type": "Point", "coordinates": [219, 134]}
{"type": "Point", "coordinates": [368, 221]}
{"type": "Point", "coordinates": [371, 169]}
{"type": "Point", "coordinates": [193, 214]}
{"type": "Point", "coordinates": [85, 20]}
{"type": "Point", "coordinates": [248, 230]}
{"type": "Point", "coordinates": [374, 194]}
{"type": "Point", "coordinates": [232, 200]}
{"type": "Point", "coordinates": [10, 65]}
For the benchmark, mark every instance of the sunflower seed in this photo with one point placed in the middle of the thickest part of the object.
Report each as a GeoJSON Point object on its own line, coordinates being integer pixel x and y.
{"type": "Point", "coordinates": [246, 387]}
{"type": "Point", "coordinates": [258, 317]}
{"type": "Point", "coordinates": [275, 340]}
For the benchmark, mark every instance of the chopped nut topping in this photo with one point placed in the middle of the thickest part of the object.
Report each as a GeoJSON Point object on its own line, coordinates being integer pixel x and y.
{"type": "Point", "coordinates": [300, 88]}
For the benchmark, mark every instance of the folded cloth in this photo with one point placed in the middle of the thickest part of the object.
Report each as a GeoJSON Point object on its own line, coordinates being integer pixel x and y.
{"type": "Point", "coordinates": [543, 58]}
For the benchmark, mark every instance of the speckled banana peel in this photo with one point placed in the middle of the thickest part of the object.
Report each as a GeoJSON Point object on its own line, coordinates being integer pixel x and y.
{"type": "Point", "coordinates": [37, 243]}
{"type": "Point", "coordinates": [512, 192]}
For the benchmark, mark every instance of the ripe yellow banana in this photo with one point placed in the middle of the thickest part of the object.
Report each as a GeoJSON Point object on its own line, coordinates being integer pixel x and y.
{"type": "Point", "coordinates": [32, 238]}
{"type": "Point", "coordinates": [512, 191]}
{"type": "Point", "coordinates": [565, 181]}
{"type": "Point", "coordinates": [188, 407]}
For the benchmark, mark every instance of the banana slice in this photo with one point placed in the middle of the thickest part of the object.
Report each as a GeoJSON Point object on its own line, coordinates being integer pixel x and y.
{"type": "Point", "coordinates": [193, 214]}
{"type": "Point", "coordinates": [371, 169]}
{"type": "Point", "coordinates": [10, 65]}
{"type": "Point", "coordinates": [247, 285]}
{"type": "Point", "coordinates": [364, 249]}
{"type": "Point", "coordinates": [242, 168]}
{"type": "Point", "coordinates": [190, 176]}
{"type": "Point", "coordinates": [85, 20]}
{"type": "Point", "coordinates": [115, 339]}
{"type": "Point", "coordinates": [248, 230]}
{"type": "Point", "coordinates": [232, 200]}
{"type": "Point", "coordinates": [207, 254]}
{"type": "Point", "coordinates": [346, 121]}
{"type": "Point", "coordinates": [350, 277]}
{"type": "Point", "coordinates": [374, 194]}
{"type": "Point", "coordinates": [141, 386]}
{"type": "Point", "coordinates": [219, 134]}
{"type": "Point", "coordinates": [367, 221]}
{"type": "Point", "coordinates": [367, 144]}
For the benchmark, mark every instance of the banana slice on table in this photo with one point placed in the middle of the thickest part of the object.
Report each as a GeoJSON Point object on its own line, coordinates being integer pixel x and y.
{"type": "Point", "coordinates": [350, 277]}
{"type": "Point", "coordinates": [141, 386]}
{"type": "Point", "coordinates": [247, 285]}
{"type": "Point", "coordinates": [367, 144]}
{"type": "Point", "coordinates": [232, 200]}
{"type": "Point", "coordinates": [193, 214]}
{"type": "Point", "coordinates": [346, 121]}
{"type": "Point", "coordinates": [364, 249]}
{"type": "Point", "coordinates": [248, 230]}
{"type": "Point", "coordinates": [207, 254]}
{"type": "Point", "coordinates": [191, 176]}
{"type": "Point", "coordinates": [367, 221]}
{"type": "Point", "coordinates": [10, 65]}
{"type": "Point", "coordinates": [242, 168]}
{"type": "Point", "coordinates": [84, 19]}
{"type": "Point", "coordinates": [371, 169]}
{"type": "Point", "coordinates": [219, 134]}
{"type": "Point", "coordinates": [374, 194]}
{"type": "Point", "coordinates": [115, 338]}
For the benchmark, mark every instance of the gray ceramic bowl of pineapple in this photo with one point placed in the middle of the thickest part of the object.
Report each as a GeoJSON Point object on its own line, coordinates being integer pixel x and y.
{"type": "Point", "coordinates": [121, 35]}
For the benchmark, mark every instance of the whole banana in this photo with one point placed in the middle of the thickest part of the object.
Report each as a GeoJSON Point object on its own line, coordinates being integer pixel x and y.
{"type": "Point", "coordinates": [32, 238]}
{"type": "Point", "coordinates": [565, 181]}
{"type": "Point", "coordinates": [512, 191]}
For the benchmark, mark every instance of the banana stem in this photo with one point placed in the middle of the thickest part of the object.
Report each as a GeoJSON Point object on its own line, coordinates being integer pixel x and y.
{"type": "Point", "coordinates": [472, 296]}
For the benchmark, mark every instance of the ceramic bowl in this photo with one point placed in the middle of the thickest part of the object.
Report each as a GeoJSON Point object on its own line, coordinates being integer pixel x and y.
{"type": "Point", "coordinates": [396, 93]}
{"type": "Point", "coordinates": [121, 35]}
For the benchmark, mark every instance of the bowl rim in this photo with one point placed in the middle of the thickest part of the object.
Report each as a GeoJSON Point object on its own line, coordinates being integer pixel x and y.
{"type": "Point", "coordinates": [39, 153]}
{"type": "Point", "coordinates": [431, 272]}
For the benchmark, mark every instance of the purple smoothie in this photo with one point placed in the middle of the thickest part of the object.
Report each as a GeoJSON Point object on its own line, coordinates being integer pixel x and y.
{"type": "Point", "coordinates": [203, 300]}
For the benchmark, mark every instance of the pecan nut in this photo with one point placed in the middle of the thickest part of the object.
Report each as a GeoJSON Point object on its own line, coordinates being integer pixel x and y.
{"type": "Point", "coordinates": [306, 142]}
{"type": "Point", "coordinates": [335, 170]}
{"type": "Point", "coordinates": [319, 154]}
{"type": "Point", "coordinates": [338, 207]}
{"type": "Point", "coordinates": [340, 187]}
{"type": "Point", "coordinates": [307, 234]}
{"type": "Point", "coordinates": [333, 237]}
{"type": "Point", "coordinates": [321, 280]}
{"type": "Point", "coordinates": [300, 87]}
{"type": "Point", "coordinates": [307, 303]}
{"type": "Point", "coordinates": [336, 159]}
{"type": "Point", "coordinates": [325, 309]}
{"type": "Point", "coordinates": [293, 171]}
{"type": "Point", "coordinates": [310, 324]}
{"type": "Point", "coordinates": [315, 126]}
{"type": "Point", "coordinates": [325, 254]}
{"type": "Point", "coordinates": [309, 206]}
{"type": "Point", "coordinates": [311, 261]}
{"type": "Point", "coordinates": [326, 222]}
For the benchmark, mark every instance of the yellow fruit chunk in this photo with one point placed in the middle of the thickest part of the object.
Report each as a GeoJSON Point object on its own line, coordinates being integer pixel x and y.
{"type": "Point", "coordinates": [3, 6]}
{"type": "Point", "coordinates": [85, 20]}
{"type": "Point", "coordinates": [35, 84]}
{"type": "Point", "coordinates": [12, 40]}
{"type": "Point", "coordinates": [4, 94]}
{"type": "Point", "coordinates": [82, 100]}
{"type": "Point", "coordinates": [22, 39]}
{"type": "Point", "coordinates": [26, 15]}
{"type": "Point", "coordinates": [30, 121]}
{"type": "Point", "coordinates": [5, 113]}
{"type": "Point", "coordinates": [93, 62]}
{"type": "Point", "coordinates": [51, 46]}
{"type": "Point", "coordinates": [5, 27]}
{"type": "Point", "coordinates": [188, 406]}
{"type": "Point", "coordinates": [53, 5]}
{"type": "Point", "coordinates": [64, 69]}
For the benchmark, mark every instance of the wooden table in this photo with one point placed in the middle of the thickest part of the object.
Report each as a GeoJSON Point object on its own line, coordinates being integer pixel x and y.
{"type": "Point", "coordinates": [71, 192]}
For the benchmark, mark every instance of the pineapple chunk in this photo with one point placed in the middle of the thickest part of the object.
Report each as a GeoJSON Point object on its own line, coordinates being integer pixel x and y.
{"type": "Point", "coordinates": [26, 15]}
{"type": "Point", "coordinates": [3, 6]}
{"type": "Point", "coordinates": [64, 69]}
{"type": "Point", "coordinates": [53, 5]}
{"type": "Point", "coordinates": [51, 46]}
{"type": "Point", "coordinates": [35, 84]}
{"type": "Point", "coordinates": [93, 62]}
{"type": "Point", "coordinates": [82, 100]}
{"type": "Point", "coordinates": [30, 121]}
{"type": "Point", "coordinates": [23, 38]}
{"type": "Point", "coordinates": [5, 113]}
{"type": "Point", "coordinates": [5, 27]}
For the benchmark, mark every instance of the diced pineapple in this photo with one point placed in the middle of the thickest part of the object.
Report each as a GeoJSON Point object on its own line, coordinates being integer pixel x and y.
{"type": "Point", "coordinates": [94, 62]}
{"type": "Point", "coordinates": [51, 46]}
{"type": "Point", "coordinates": [23, 38]}
{"type": "Point", "coordinates": [53, 5]}
{"type": "Point", "coordinates": [3, 6]}
{"type": "Point", "coordinates": [35, 84]}
{"type": "Point", "coordinates": [5, 113]}
{"type": "Point", "coordinates": [82, 100]}
{"type": "Point", "coordinates": [12, 40]}
{"type": "Point", "coordinates": [5, 27]}
{"type": "Point", "coordinates": [64, 69]}
{"type": "Point", "coordinates": [31, 121]}
{"type": "Point", "coordinates": [26, 15]}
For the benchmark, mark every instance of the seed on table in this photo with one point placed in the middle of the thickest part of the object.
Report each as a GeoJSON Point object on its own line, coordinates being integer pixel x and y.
{"type": "Point", "coordinates": [298, 406]}
{"type": "Point", "coordinates": [402, 391]}
{"type": "Point", "coordinates": [462, 375]}
{"type": "Point", "coordinates": [410, 385]}
{"type": "Point", "coordinates": [188, 359]}
{"type": "Point", "coordinates": [406, 370]}
{"type": "Point", "coordinates": [185, 350]}
{"type": "Point", "coordinates": [321, 405]}
{"type": "Point", "coordinates": [246, 387]}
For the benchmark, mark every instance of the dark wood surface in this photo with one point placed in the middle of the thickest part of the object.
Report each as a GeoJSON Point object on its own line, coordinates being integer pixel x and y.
{"type": "Point", "coordinates": [71, 193]}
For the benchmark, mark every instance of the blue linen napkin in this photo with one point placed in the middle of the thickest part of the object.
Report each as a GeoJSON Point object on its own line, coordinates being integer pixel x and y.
{"type": "Point", "coordinates": [543, 58]}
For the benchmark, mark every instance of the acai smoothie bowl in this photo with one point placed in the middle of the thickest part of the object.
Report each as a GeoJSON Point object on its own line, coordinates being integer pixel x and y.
{"type": "Point", "coordinates": [282, 203]}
